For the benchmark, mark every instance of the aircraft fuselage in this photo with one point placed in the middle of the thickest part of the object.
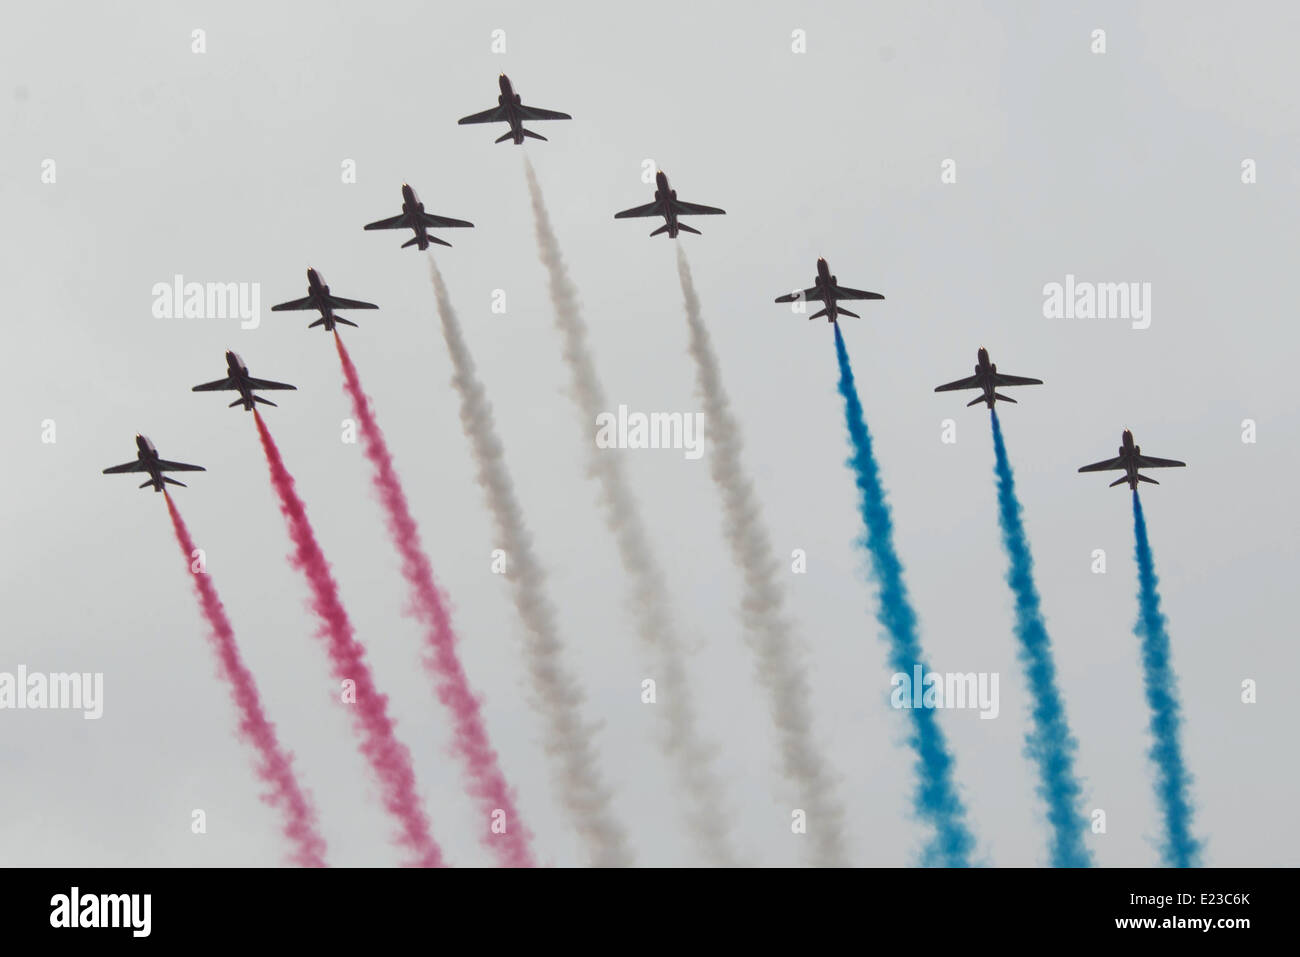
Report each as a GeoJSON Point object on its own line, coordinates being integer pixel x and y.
{"type": "Point", "coordinates": [319, 292]}
{"type": "Point", "coordinates": [148, 456]}
{"type": "Point", "coordinates": [1129, 452]}
{"type": "Point", "coordinates": [509, 100]}
{"type": "Point", "coordinates": [413, 210]}
{"type": "Point", "coordinates": [825, 285]}
{"type": "Point", "coordinates": [664, 196]}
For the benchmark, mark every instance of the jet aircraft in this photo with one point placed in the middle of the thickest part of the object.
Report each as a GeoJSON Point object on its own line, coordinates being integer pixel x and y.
{"type": "Point", "coordinates": [414, 217]}
{"type": "Point", "coordinates": [827, 290]}
{"type": "Point", "coordinates": [1130, 460]}
{"type": "Point", "coordinates": [147, 460]}
{"type": "Point", "coordinates": [510, 109]}
{"type": "Point", "coordinates": [319, 297]}
{"type": "Point", "coordinates": [987, 378]}
{"type": "Point", "coordinates": [668, 206]}
{"type": "Point", "coordinates": [238, 380]}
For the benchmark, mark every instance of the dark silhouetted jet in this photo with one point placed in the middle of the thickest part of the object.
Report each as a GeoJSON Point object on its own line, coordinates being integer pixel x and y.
{"type": "Point", "coordinates": [988, 378]}
{"type": "Point", "coordinates": [147, 460]}
{"type": "Point", "coordinates": [826, 289]}
{"type": "Point", "coordinates": [1130, 460]}
{"type": "Point", "coordinates": [240, 381]}
{"type": "Point", "coordinates": [668, 206]}
{"type": "Point", "coordinates": [511, 110]}
{"type": "Point", "coordinates": [414, 217]}
{"type": "Point", "coordinates": [319, 297]}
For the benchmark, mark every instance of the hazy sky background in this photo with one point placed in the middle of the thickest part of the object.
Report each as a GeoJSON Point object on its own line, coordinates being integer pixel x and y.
{"type": "Point", "coordinates": [225, 167]}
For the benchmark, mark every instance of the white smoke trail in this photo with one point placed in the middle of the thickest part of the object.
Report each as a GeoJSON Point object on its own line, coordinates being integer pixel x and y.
{"type": "Point", "coordinates": [779, 668]}
{"type": "Point", "coordinates": [583, 794]}
{"type": "Point", "coordinates": [692, 759]}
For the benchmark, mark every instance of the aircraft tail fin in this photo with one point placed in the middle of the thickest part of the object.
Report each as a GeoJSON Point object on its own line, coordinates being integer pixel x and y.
{"type": "Point", "coordinates": [1005, 398]}
{"type": "Point", "coordinates": [844, 312]}
{"type": "Point", "coordinates": [661, 229]}
{"type": "Point", "coordinates": [1119, 481]}
{"type": "Point", "coordinates": [688, 229]}
{"type": "Point", "coordinates": [536, 136]}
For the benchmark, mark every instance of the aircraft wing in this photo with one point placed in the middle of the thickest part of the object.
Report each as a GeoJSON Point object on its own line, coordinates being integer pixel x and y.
{"type": "Point", "coordinates": [649, 209]}
{"type": "Point", "coordinates": [1149, 462]}
{"type": "Point", "coordinates": [442, 222]}
{"type": "Point", "coordinates": [217, 386]}
{"type": "Point", "coordinates": [970, 382]}
{"type": "Point", "coordinates": [1000, 379]}
{"type": "Point", "coordinates": [338, 302]}
{"type": "Point", "coordinates": [843, 292]}
{"type": "Point", "coordinates": [808, 295]}
{"type": "Point", "coordinates": [494, 115]}
{"type": "Point", "coordinates": [537, 113]}
{"type": "Point", "coordinates": [136, 466]}
{"type": "Point", "coordinates": [695, 209]}
{"type": "Point", "coordinates": [1105, 466]}
{"type": "Point", "coordinates": [268, 384]}
{"type": "Point", "coordinates": [294, 304]}
{"type": "Point", "coordinates": [396, 222]}
{"type": "Point", "coordinates": [165, 466]}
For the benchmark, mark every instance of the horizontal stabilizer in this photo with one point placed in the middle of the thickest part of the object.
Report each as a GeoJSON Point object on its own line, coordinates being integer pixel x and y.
{"type": "Point", "coordinates": [536, 136]}
{"type": "Point", "coordinates": [975, 401]}
{"type": "Point", "coordinates": [146, 484]}
{"type": "Point", "coordinates": [508, 135]}
{"type": "Point", "coordinates": [172, 481]}
{"type": "Point", "coordinates": [346, 322]}
{"type": "Point", "coordinates": [1143, 478]}
{"type": "Point", "coordinates": [818, 315]}
{"type": "Point", "coordinates": [688, 229]}
{"type": "Point", "coordinates": [844, 312]}
{"type": "Point", "coordinates": [239, 401]}
{"type": "Point", "coordinates": [1118, 481]}
{"type": "Point", "coordinates": [1004, 398]}
{"type": "Point", "coordinates": [440, 242]}
{"type": "Point", "coordinates": [258, 398]}
{"type": "Point", "coordinates": [411, 242]}
{"type": "Point", "coordinates": [661, 229]}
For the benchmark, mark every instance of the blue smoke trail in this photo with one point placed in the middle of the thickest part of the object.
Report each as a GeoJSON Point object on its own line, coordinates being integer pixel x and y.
{"type": "Point", "coordinates": [1050, 743]}
{"type": "Point", "coordinates": [936, 797]}
{"type": "Point", "coordinates": [1172, 780]}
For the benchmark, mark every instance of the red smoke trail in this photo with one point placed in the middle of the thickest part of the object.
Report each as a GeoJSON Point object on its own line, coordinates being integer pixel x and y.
{"type": "Point", "coordinates": [275, 766]}
{"type": "Point", "coordinates": [487, 783]}
{"type": "Point", "coordinates": [388, 756]}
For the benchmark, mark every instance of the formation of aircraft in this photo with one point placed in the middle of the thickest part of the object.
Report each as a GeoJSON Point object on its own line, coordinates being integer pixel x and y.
{"type": "Point", "coordinates": [510, 109]}
{"type": "Point", "coordinates": [1130, 459]}
{"type": "Point", "coordinates": [987, 378]}
{"type": "Point", "coordinates": [238, 380]}
{"type": "Point", "coordinates": [414, 217]}
{"type": "Point", "coordinates": [320, 298]}
{"type": "Point", "coordinates": [827, 290]}
{"type": "Point", "coordinates": [667, 205]}
{"type": "Point", "coordinates": [147, 460]}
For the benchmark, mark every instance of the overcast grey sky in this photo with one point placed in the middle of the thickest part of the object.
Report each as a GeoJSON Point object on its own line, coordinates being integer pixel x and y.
{"type": "Point", "coordinates": [226, 167]}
